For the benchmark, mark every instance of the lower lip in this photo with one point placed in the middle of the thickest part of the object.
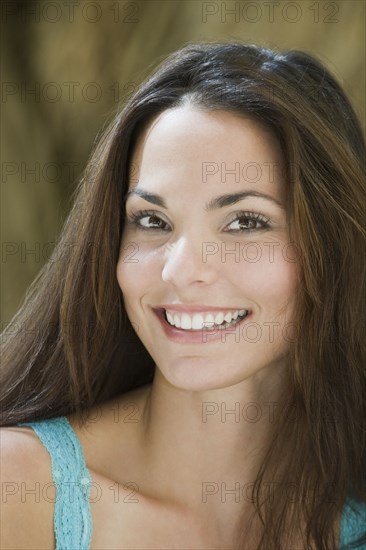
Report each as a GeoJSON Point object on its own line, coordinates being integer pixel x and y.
{"type": "Point", "coordinates": [203, 336]}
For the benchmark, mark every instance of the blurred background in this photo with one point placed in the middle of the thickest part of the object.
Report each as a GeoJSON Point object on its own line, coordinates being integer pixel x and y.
{"type": "Point", "coordinates": [67, 67]}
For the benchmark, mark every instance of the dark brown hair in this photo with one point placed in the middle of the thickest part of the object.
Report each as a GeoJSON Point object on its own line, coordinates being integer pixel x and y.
{"type": "Point", "coordinates": [71, 345]}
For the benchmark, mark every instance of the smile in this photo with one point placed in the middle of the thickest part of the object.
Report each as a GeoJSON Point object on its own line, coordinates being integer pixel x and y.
{"type": "Point", "coordinates": [199, 321]}
{"type": "Point", "coordinates": [210, 324]}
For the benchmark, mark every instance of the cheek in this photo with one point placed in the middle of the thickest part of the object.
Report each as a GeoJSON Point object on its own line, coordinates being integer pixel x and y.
{"type": "Point", "coordinates": [135, 270]}
{"type": "Point", "coordinates": [268, 279]}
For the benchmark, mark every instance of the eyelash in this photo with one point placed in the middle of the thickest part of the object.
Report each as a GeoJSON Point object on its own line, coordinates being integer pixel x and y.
{"type": "Point", "coordinates": [136, 217]}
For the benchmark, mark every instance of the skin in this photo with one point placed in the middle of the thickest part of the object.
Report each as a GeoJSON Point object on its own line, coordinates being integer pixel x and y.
{"type": "Point", "coordinates": [186, 437]}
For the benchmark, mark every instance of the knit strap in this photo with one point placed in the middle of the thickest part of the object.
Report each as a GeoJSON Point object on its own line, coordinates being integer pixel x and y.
{"type": "Point", "coordinates": [72, 517]}
{"type": "Point", "coordinates": [353, 523]}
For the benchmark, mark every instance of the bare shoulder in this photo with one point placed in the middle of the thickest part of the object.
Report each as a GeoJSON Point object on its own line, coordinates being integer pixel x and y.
{"type": "Point", "coordinates": [100, 427]}
{"type": "Point", "coordinates": [27, 492]}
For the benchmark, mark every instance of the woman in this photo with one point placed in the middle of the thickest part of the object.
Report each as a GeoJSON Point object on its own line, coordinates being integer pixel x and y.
{"type": "Point", "coordinates": [192, 358]}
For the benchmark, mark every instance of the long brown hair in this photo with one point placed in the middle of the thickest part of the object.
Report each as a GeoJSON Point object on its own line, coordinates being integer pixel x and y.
{"type": "Point", "coordinates": [71, 345]}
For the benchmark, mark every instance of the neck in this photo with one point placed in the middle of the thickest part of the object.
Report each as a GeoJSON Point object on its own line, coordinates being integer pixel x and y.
{"type": "Point", "coordinates": [203, 448]}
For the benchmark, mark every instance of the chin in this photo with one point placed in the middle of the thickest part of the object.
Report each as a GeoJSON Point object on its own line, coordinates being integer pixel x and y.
{"type": "Point", "coordinates": [201, 374]}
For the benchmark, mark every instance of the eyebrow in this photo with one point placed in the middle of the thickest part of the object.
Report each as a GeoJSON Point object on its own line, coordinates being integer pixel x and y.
{"type": "Point", "coordinates": [213, 204]}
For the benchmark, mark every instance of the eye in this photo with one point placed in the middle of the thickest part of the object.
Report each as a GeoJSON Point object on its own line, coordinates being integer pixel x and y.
{"type": "Point", "coordinates": [147, 220]}
{"type": "Point", "coordinates": [249, 222]}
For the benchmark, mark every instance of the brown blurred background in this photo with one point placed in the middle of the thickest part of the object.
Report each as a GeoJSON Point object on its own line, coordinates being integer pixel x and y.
{"type": "Point", "coordinates": [67, 66]}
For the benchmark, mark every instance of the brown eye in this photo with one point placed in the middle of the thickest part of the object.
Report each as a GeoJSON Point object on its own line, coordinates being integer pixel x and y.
{"type": "Point", "coordinates": [147, 221]}
{"type": "Point", "coordinates": [152, 221]}
{"type": "Point", "coordinates": [248, 222]}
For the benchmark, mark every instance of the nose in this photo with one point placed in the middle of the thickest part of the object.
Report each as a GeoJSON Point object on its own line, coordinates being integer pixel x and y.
{"type": "Point", "coordinates": [186, 263]}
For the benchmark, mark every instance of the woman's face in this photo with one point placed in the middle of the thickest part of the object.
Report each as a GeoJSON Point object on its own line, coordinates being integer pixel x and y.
{"type": "Point", "coordinates": [206, 240]}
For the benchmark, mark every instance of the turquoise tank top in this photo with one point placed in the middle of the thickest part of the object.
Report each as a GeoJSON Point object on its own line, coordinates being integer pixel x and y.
{"type": "Point", "coordinates": [72, 517]}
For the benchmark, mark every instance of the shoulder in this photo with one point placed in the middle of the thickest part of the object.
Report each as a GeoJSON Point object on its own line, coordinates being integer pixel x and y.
{"type": "Point", "coordinates": [23, 456]}
{"type": "Point", "coordinates": [27, 493]}
{"type": "Point", "coordinates": [109, 434]}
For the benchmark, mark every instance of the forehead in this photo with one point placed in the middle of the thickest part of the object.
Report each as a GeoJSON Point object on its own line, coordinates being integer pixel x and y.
{"type": "Point", "coordinates": [192, 145]}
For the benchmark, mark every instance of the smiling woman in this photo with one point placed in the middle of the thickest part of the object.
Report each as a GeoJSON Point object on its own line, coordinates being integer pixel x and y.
{"type": "Point", "coordinates": [171, 282]}
{"type": "Point", "coordinates": [227, 221]}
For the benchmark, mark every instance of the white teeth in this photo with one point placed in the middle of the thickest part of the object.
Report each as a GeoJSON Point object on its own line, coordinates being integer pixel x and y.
{"type": "Point", "coordinates": [219, 318]}
{"type": "Point", "coordinates": [170, 318]}
{"type": "Point", "coordinates": [199, 320]}
{"type": "Point", "coordinates": [186, 321]}
{"type": "Point", "coordinates": [228, 317]}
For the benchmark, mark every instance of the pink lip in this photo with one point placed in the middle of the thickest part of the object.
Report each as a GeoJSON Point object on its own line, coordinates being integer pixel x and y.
{"type": "Point", "coordinates": [203, 336]}
{"type": "Point", "coordinates": [180, 308]}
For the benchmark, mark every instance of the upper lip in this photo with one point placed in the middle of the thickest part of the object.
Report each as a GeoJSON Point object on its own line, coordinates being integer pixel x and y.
{"type": "Point", "coordinates": [182, 308]}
